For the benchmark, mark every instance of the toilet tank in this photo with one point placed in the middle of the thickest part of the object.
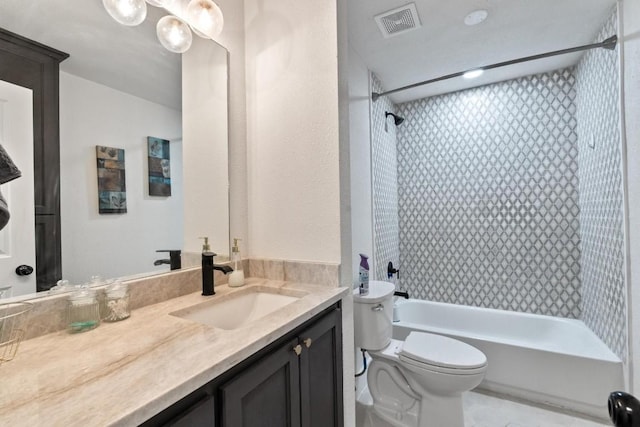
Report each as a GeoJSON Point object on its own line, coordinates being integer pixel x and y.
{"type": "Point", "coordinates": [372, 316]}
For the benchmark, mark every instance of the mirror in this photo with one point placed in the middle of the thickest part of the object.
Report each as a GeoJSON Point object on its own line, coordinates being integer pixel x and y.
{"type": "Point", "coordinates": [118, 87]}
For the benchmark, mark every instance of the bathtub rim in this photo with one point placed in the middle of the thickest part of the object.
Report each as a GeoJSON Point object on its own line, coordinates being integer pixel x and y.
{"type": "Point", "coordinates": [607, 354]}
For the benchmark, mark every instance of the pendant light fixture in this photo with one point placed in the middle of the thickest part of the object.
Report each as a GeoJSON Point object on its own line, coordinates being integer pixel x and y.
{"type": "Point", "coordinates": [174, 34]}
{"type": "Point", "coordinates": [205, 17]}
{"type": "Point", "coordinates": [126, 12]}
{"type": "Point", "coordinates": [174, 31]}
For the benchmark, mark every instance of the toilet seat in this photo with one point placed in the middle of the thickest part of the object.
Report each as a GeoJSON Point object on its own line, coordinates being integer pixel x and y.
{"type": "Point", "coordinates": [441, 354]}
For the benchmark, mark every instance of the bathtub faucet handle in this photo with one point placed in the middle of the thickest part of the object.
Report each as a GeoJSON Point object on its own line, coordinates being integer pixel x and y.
{"type": "Point", "coordinates": [391, 271]}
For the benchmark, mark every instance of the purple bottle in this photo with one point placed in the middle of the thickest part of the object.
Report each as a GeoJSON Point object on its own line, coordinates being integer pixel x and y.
{"type": "Point", "coordinates": [364, 275]}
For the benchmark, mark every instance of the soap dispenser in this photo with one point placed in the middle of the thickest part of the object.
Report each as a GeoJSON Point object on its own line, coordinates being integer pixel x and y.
{"type": "Point", "coordinates": [237, 277]}
{"type": "Point", "coordinates": [207, 268]}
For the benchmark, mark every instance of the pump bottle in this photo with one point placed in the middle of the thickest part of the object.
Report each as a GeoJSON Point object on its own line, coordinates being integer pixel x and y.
{"type": "Point", "coordinates": [237, 277]}
{"type": "Point", "coordinates": [364, 275]}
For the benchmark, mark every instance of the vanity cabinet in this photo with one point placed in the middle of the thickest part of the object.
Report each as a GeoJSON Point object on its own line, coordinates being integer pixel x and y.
{"type": "Point", "coordinates": [298, 384]}
{"type": "Point", "coordinates": [295, 381]}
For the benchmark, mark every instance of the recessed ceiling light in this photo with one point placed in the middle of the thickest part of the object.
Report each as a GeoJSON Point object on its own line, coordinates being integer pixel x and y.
{"type": "Point", "coordinates": [476, 17]}
{"type": "Point", "coordinates": [473, 73]}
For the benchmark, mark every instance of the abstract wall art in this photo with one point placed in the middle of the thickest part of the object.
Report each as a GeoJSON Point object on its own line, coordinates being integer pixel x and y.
{"type": "Point", "coordinates": [112, 188]}
{"type": "Point", "coordinates": [159, 167]}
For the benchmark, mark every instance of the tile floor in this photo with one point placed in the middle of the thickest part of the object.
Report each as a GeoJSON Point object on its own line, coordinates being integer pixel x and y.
{"type": "Point", "coordinates": [482, 410]}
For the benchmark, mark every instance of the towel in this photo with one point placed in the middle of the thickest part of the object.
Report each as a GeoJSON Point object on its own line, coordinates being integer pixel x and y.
{"type": "Point", "coordinates": [4, 212]}
{"type": "Point", "coordinates": [8, 172]}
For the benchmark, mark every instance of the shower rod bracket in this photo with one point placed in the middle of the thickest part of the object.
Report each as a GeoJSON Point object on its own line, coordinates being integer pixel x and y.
{"type": "Point", "coordinates": [609, 44]}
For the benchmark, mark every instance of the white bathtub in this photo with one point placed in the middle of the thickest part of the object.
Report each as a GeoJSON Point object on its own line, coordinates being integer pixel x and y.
{"type": "Point", "coordinates": [542, 359]}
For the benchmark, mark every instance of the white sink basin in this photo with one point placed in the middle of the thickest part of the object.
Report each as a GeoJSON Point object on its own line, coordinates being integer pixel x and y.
{"type": "Point", "coordinates": [235, 310]}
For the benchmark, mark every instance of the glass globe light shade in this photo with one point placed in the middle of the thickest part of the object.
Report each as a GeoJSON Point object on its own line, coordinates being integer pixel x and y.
{"type": "Point", "coordinates": [206, 17]}
{"type": "Point", "coordinates": [126, 12]}
{"type": "Point", "coordinates": [174, 34]}
{"type": "Point", "coordinates": [156, 3]}
{"type": "Point", "coordinates": [199, 33]}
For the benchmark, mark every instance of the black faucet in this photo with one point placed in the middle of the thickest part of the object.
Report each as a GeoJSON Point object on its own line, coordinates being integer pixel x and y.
{"type": "Point", "coordinates": [401, 294]}
{"type": "Point", "coordinates": [207, 272]}
{"type": "Point", "coordinates": [224, 268]}
{"type": "Point", "coordinates": [175, 259]}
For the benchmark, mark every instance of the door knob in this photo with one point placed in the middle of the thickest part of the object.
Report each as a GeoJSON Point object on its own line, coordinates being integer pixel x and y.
{"type": "Point", "coordinates": [24, 270]}
{"type": "Point", "coordinates": [307, 342]}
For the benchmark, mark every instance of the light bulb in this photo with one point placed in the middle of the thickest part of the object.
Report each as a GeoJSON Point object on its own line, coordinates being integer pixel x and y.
{"type": "Point", "coordinates": [156, 3]}
{"type": "Point", "coordinates": [174, 34]}
{"type": "Point", "coordinates": [199, 33]}
{"type": "Point", "coordinates": [472, 74]}
{"type": "Point", "coordinates": [206, 17]}
{"type": "Point", "coordinates": [126, 12]}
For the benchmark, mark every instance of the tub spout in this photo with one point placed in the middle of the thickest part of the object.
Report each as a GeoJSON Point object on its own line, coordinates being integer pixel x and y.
{"type": "Point", "coordinates": [401, 294]}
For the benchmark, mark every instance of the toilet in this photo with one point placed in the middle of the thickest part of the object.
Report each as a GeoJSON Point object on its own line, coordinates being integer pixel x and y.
{"type": "Point", "coordinates": [417, 382]}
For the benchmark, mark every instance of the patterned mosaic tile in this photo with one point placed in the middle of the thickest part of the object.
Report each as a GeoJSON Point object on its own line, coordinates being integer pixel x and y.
{"type": "Point", "coordinates": [601, 203]}
{"type": "Point", "coordinates": [488, 194]}
{"type": "Point", "coordinates": [385, 185]}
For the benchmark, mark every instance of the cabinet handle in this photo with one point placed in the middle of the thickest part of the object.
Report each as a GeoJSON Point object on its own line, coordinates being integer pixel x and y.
{"type": "Point", "coordinates": [378, 307]}
{"type": "Point", "coordinates": [297, 349]}
{"type": "Point", "coordinates": [307, 342]}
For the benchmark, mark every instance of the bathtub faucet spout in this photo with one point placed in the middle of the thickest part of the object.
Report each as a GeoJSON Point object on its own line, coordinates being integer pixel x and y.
{"type": "Point", "coordinates": [401, 294]}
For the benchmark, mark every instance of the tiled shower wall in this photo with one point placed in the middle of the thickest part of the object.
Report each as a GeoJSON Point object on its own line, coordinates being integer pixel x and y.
{"type": "Point", "coordinates": [601, 221]}
{"type": "Point", "coordinates": [510, 195]}
{"type": "Point", "coordinates": [488, 196]}
{"type": "Point", "coordinates": [385, 185]}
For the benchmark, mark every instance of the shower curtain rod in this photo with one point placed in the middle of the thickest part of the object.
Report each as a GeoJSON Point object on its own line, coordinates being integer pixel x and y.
{"type": "Point", "coordinates": [609, 44]}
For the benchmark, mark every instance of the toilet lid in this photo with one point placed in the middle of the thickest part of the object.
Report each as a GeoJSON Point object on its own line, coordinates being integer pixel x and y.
{"type": "Point", "coordinates": [438, 350]}
{"type": "Point", "coordinates": [378, 292]}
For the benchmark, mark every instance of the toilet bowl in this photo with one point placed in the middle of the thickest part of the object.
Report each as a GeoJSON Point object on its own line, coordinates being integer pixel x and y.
{"type": "Point", "coordinates": [413, 383]}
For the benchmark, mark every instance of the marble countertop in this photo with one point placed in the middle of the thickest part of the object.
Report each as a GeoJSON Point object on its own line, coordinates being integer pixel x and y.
{"type": "Point", "coordinates": [125, 372]}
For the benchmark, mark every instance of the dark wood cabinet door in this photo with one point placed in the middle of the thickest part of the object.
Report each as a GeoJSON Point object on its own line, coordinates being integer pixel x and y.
{"type": "Point", "coordinates": [30, 64]}
{"type": "Point", "coordinates": [202, 414]}
{"type": "Point", "coordinates": [321, 373]}
{"type": "Point", "coordinates": [266, 394]}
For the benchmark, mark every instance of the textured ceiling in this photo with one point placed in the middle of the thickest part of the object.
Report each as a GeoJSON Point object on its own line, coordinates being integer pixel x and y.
{"type": "Point", "coordinates": [445, 45]}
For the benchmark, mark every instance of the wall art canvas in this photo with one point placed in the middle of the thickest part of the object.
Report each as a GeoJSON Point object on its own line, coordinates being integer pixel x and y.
{"type": "Point", "coordinates": [159, 167]}
{"type": "Point", "coordinates": [112, 189]}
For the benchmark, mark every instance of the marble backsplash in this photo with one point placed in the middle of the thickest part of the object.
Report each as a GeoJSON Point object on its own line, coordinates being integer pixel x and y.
{"type": "Point", "coordinates": [296, 271]}
{"type": "Point", "coordinates": [49, 313]}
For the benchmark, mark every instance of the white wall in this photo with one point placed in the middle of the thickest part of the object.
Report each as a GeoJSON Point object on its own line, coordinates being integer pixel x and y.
{"type": "Point", "coordinates": [115, 244]}
{"type": "Point", "coordinates": [631, 61]}
{"type": "Point", "coordinates": [232, 37]}
{"type": "Point", "coordinates": [292, 129]}
{"type": "Point", "coordinates": [360, 141]}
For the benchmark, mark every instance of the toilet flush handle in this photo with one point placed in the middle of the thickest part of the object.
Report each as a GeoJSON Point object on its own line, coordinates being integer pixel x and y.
{"type": "Point", "coordinates": [377, 307]}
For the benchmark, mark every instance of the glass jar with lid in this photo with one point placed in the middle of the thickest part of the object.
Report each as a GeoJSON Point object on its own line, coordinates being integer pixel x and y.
{"type": "Point", "coordinates": [116, 302]}
{"type": "Point", "coordinates": [84, 310]}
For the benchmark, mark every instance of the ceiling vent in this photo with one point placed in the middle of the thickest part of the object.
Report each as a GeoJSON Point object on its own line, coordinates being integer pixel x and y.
{"type": "Point", "coordinates": [398, 21]}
